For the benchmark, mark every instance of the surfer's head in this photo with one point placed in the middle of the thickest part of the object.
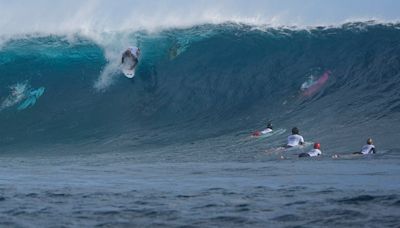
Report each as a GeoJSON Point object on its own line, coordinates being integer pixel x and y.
{"type": "Point", "coordinates": [317, 146]}
{"type": "Point", "coordinates": [295, 131]}
{"type": "Point", "coordinates": [269, 125]}
{"type": "Point", "coordinates": [369, 141]}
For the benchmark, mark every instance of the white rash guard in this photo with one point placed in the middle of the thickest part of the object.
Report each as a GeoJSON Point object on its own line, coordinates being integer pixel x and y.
{"type": "Point", "coordinates": [368, 149]}
{"type": "Point", "coordinates": [295, 140]}
{"type": "Point", "coordinates": [314, 152]}
{"type": "Point", "coordinates": [266, 131]}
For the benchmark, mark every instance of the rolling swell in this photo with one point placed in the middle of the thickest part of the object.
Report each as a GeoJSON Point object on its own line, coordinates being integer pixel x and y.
{"type": "Point", "coordinates": [206, 81]}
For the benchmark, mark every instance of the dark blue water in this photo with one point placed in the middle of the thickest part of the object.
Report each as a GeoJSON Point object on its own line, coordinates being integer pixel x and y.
{"type": "Point", "coordinates": [172, 148]}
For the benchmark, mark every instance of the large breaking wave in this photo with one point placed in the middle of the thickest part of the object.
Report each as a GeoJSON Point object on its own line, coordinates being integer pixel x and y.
{"type": "Point", "coordinates": [200, 83]}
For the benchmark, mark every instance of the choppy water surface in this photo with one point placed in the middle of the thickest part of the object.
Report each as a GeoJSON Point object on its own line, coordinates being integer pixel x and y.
{"type": "Point", "coordinates": [172, 147]}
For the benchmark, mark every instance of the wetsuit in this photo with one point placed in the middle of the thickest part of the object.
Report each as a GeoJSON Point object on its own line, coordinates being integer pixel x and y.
{"type": "Point", "coordinates": [133, 53]}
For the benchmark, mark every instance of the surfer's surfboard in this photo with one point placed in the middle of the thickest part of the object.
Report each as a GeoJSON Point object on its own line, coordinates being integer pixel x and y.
{"type": "Point", "coordinates": [129, 73]}
{"type": "Point", "coordinates": [259, 135]}
{"type": "Point", "coordinates": [32, 97]}
{"type": "Point", "coordinates": [317, 85]}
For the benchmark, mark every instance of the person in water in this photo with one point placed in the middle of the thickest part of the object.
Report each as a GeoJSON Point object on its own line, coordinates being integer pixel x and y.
{"type": "Point", "coordinates": [265, 131]}
{"type": "Point", "coordinates": [368, 148]}
{"type": "Point", "coordinates": [131, 52]}
{"type": "Point", "coordinates": [268, 129]}
{"type": "Point", "coordinates": [314, 152]}
{"type": "Point", "coordinates": [295, 139]}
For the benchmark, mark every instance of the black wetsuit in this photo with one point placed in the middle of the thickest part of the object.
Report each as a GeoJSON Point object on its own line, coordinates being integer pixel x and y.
{"type": "Point", "coordinates": [128, 54]}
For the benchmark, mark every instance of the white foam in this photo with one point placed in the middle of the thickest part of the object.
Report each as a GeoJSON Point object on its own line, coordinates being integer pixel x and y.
{"type": "Point", "coordinates": [97, 16]}
{"type": "Point", "coordinates": [18, 92]}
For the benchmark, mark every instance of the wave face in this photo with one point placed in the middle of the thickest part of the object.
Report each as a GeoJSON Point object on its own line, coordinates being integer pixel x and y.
{"type": "Point", "coordinates": [200, 83]}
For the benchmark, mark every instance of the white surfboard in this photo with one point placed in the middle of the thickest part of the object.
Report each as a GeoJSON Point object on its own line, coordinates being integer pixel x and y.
{"type": "Point", "coordinates": [129, 73]}
{"type": "Point", "coordinates": [126, 68]}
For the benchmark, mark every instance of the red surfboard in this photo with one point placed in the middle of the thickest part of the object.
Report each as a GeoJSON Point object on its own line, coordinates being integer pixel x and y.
{"type": "Point", "coordinates": [317, 85]}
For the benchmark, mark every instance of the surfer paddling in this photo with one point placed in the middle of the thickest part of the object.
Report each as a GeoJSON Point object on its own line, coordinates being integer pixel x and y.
{"type": "Point", "coordinates": [295, 139]}
{"type": "Point", "coordinates": [368, 148]}
{"type": "Point", "coordinates": [267, 130]}
{"type": "Point", "coordinates": [314, 152]}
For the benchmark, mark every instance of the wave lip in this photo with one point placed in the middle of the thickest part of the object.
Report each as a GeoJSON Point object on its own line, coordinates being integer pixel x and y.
{"type": "Point", "coordinates": [96, 17]}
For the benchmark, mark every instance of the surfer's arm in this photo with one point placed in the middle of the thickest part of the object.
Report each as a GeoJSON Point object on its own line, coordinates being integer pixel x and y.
{"type": "Point", "coordinates": [125, 54]}
{"type": "Point", "coordinates": [301, 141]}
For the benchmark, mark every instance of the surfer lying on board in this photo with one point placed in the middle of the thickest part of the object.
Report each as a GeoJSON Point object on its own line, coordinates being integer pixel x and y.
{"type": "Point", "coordinates": [268, 129]}
{"type": "Point", "coordinates": [131, 52]}
{"type": "Point", "coordinates": [314, 152]}
{"type": "Point", "coordinates": [368, 148]}
{"type": "Point", "coordinates": [295, 139]}
{"type": "Point", "coordinates": [265, 131]}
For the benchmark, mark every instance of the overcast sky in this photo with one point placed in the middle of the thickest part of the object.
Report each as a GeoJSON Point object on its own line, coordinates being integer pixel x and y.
{"type": "Point", "coordinates": [26, 16]}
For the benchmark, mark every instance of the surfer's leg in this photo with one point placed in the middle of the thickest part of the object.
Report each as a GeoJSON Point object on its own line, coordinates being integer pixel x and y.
{"type": "Point", "coordinates": [302, 155]}
{"type": "Point", "coordinates": [135, 62]}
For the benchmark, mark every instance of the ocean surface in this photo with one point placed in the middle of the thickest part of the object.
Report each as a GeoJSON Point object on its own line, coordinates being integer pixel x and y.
{"type": "Point", "coordinates": [83, 146]}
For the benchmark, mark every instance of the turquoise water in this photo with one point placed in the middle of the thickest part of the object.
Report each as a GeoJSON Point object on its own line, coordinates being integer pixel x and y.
{"type": "Point", "coordinates": [172, 147]}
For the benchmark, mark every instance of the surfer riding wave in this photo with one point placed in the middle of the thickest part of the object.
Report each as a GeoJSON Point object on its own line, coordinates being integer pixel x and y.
{"type": "Point", "coordinates": [133, 53]}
